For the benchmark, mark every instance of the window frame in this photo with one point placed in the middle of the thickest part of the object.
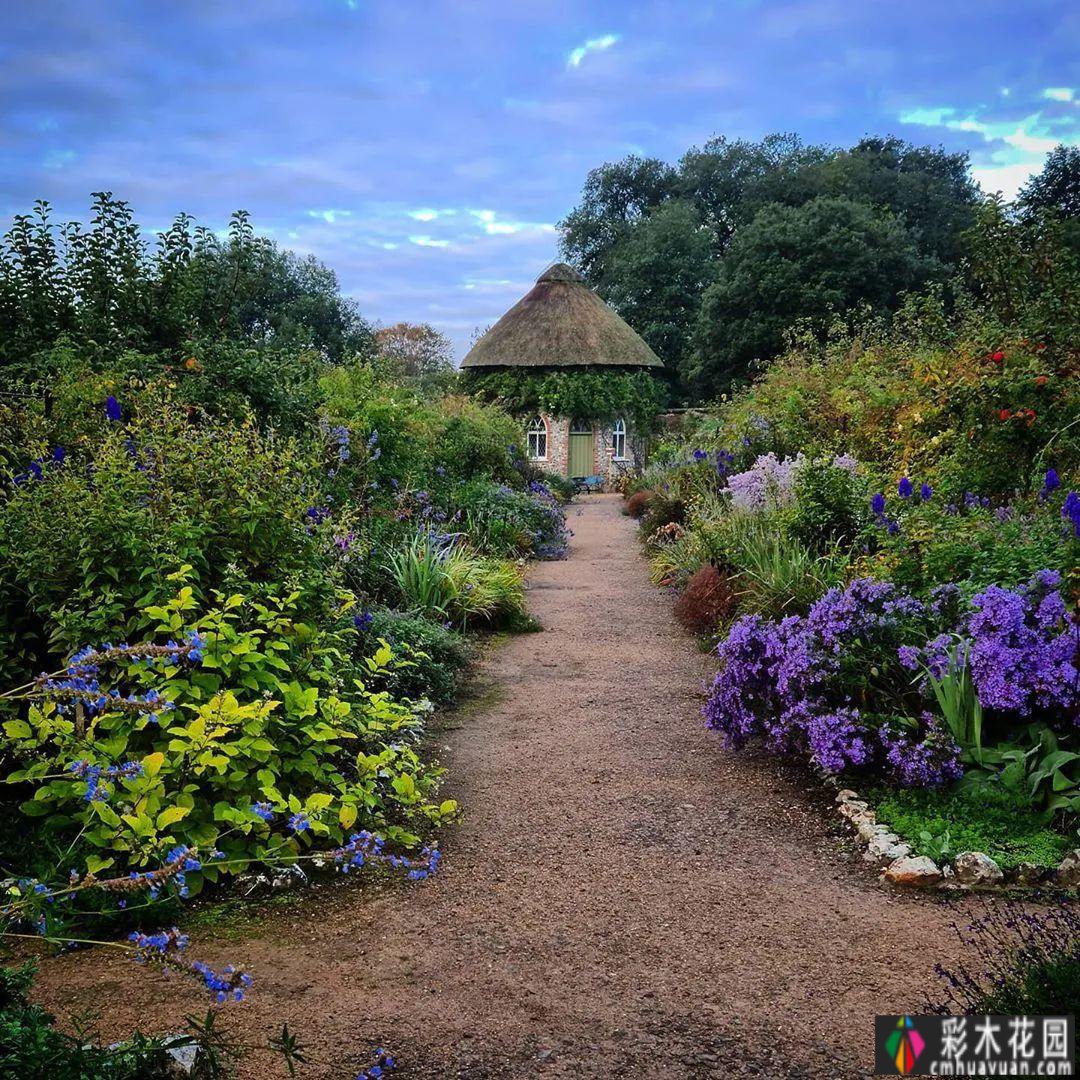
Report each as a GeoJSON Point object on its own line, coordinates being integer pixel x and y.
{"type": "Point", "coordinates": [538, 429]}
{"type": "Point", "coordinates": [618, 440]}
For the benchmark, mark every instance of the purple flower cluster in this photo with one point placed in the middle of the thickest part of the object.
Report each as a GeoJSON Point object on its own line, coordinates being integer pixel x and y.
{"type": "Point", "coordinates": [1025, 649]}
{"type": "Point", "coordinates": [96, 789]}
{"type": "Point", "coordinates": [767, 484]}
{"type": "Point", "coordinates": [794, 683]}
{"type": "Point", "coordinates": [927, 762]}
{"type": "Point", "coordinates": [1070, 510]}
{"type": "Point", "coordinates": [785, 682]}
{"type": "Point", "coordinates": [365, 848]}
{"type": "Point", "coordinates": [167, 948]}
{"type": "Point", "coordinates": [36, 469]}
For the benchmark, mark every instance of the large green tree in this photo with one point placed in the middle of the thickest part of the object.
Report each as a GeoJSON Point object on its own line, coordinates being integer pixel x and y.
{"type": "Point", "coordinates": [795, 263]}
{"type": "Point", "coordinates": [651, 238]}
{"type": "Point", "coordinates": [658, 274]}
{"type": "Point", "coordinates": [104, 288]}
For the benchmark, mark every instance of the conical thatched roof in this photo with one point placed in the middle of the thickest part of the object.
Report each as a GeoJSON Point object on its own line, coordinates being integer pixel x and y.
{"type": "Point", "coordinates": [561, 323]}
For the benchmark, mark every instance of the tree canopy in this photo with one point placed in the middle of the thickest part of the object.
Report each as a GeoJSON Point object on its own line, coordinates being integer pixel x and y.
{"type": "Point", "coordinates": [661, 243]}
{"type": "Point", "coordinates": [104, 287]}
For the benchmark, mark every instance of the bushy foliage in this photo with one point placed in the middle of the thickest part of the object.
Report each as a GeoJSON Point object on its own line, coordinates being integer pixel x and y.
{"type": "Point", "coordinates": [634, 396]}
{"type": "Point", "coordinates": [706, 601]}
{"type": "Point", "coordinates": [428, 657]}
{"type": "Point", "coordinates": [504, 521]}
{"type": "Point", "coordinates": [221, 743]}
{"type": "Point", "coordinates": [714, 259]}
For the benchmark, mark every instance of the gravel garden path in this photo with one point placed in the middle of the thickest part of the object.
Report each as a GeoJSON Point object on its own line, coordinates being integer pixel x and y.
{"type": "Point", "coordinates": [623, 898]}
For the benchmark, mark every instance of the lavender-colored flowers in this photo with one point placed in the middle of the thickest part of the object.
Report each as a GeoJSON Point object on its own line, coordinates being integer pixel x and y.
{"type": "Point", "coordinates": [769, 483]}
{"type": "Point", "coordinates": [790, 683]}
{"type": "Point", "coordinates": [1025, 649]}
{"type": "Point", "coordinates": [785, 682]}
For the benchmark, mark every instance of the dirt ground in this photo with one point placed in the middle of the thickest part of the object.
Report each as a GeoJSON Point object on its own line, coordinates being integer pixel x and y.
{"type": "Point", "coordinates": [624, 898]}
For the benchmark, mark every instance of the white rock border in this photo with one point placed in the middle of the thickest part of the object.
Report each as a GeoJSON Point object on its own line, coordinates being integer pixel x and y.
{"type": "Point", "coordinates": [969, 870]}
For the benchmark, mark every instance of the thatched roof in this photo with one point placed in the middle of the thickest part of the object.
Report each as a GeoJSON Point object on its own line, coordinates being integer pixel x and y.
{"type": "Point", "coordinates": [561, 323]}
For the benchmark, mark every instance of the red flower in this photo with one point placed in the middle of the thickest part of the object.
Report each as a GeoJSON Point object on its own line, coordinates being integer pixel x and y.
{"type": "Point", "coordinates": [1004, 414]}
{"type": "Point", "coordinates": [997, 357]}
{"type": "Point", "coordinates": [1040, 346]}
{"type": "Point", "coordinates": [1040, 380]}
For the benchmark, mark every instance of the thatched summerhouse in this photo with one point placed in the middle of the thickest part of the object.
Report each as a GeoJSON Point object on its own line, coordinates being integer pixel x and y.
{"type": "Point", "coordinates": [561, 326]}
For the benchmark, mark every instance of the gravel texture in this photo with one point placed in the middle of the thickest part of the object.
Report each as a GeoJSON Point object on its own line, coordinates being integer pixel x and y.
{"type": "Point", "coordinates": [624, 898]}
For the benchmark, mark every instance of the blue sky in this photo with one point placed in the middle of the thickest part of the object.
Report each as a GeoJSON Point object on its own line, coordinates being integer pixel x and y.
{"type": "Point", "coordinates": [426, 150]}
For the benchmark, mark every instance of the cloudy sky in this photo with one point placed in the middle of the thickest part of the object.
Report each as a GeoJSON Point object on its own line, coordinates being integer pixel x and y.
{"type": "Point", "coordinates": [426, 150]}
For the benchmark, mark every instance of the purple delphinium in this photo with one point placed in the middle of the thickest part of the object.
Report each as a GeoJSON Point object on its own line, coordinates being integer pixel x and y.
{"type": "Point", "coordinates": [1071, 510]}
{"type": "Point", "coordinates": [877, 504]}
{"type": "Point", "coordinates": [1051, 481]}
{"type": "Point", "coordinates": [905, 488]}
{"type": "Point", "coordinates": [700, 455]}
{"type": "Point", "coordinates": [363, 621]}
{"type": "Point", "coordinates": [113, 410]}
{"type": "Point", "coordinates": [926, 492]}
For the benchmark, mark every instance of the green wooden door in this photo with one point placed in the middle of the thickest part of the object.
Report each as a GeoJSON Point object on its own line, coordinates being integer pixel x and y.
{"type": "Point", "coordinates": [581, 453]}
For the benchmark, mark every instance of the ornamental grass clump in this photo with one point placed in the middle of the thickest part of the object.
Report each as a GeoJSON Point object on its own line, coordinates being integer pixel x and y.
{"type": "Point", "coordinates": [706, 602]}
{"type": "Point", "coordinates": [441, 576]}
{"type": "Point", "coordinates": [638, 503]}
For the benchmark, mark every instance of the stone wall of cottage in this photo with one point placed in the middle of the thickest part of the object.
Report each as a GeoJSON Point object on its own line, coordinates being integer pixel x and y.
{"type": "Point", "coordinates": [604, 462]}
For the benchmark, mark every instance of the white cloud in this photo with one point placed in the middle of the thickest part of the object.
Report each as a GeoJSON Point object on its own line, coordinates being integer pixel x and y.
{"type": "Point", "coordinates": [329, 216]}
{"type": "Point", "coordinates": [1008, 179]}
{"type": "Point", "coordinates": [491, 224]}
{"type": "Point", "coordinates": [1059, 93]}
{"type": "Point", "coordinates": [596, 44]}
{"type": "Point", "coordinates": [428, 241]}
{"type": "Point", "coordinates": [1016, 149]}
{"type": "Point", "coordinates": [426, 213]}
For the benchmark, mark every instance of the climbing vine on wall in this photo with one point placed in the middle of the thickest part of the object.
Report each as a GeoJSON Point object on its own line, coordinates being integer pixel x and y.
{"type": "Point", "coordinates": [636, 397]}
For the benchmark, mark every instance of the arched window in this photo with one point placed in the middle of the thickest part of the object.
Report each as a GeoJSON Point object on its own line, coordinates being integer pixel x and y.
{"type": "Point", "coordinates": [536, 440]}
{"type": "Point", "coordinates": [618, 439]}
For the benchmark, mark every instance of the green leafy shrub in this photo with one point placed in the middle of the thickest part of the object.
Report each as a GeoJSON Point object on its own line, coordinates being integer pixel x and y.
{"type": "Point", "coordinates": [663, 509]}
{"type": "Point", "coordinates": [502, 521]}
{"type": "Point", "coordinates": [272, 715]}
{"type": "Point", "coordinates": [101, 530]}
{"type": "Point", "coordinates": [428, 657]}
{"type": "Point", "coordinates": [830, 504]}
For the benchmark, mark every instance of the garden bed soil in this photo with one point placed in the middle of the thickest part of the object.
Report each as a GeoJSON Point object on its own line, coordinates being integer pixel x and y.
{"type": "Point", "coordinates": [624, 898]}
